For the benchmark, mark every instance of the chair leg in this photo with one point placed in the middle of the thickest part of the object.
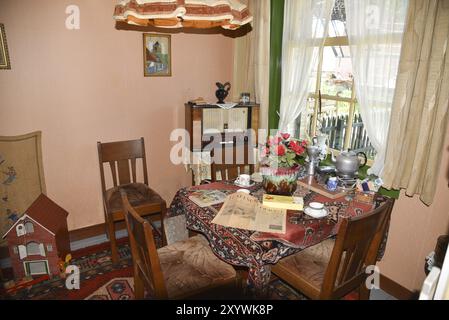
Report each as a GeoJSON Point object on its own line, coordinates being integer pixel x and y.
{"type": "Point", "coordinates": [139, 290]}
{"type": "Point", "coordinates": [112, 240]}
{"type": "Point", "coordinates": [364, 292]}
{"type": "Point", "coordinates": [163, 215]}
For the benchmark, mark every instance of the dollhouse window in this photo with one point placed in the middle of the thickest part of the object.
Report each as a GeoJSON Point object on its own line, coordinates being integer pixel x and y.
{"type": "Point", "coordinates": [49, 248]}
{"type": "Point", "coordinates": [20, 229]}
{"type": "Point", "coordinates": [33, 248]}
{"type": "Point", "coordinates": [15, 250]}
{"type": "Point", "coordinates": [29, 227]}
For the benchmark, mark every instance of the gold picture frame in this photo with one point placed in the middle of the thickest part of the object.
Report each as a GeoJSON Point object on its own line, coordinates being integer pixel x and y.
{"type": "Point", "coordinates": [157, 59]}
{"type": "Point", "coordinates": [5, 63]}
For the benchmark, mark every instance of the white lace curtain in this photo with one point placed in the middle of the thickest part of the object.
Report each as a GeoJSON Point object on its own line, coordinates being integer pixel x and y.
{"type": "Point", "coordinates": [375, 29]}
{"type": "Point", "coordinates": [305, 26]}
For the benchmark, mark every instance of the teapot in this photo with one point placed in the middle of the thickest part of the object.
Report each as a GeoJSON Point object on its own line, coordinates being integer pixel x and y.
{"type": "Point", "coordinates": [223, 91]}
{"type": "Point", "coordinates": [348, 163]}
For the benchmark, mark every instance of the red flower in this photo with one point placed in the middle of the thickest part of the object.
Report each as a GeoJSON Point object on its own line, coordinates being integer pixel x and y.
{"type": "Point", "coordinates": [265, 152]}
{"type": "Point", "coordinates": [272, 141]}
{"type": "Point", "coordinates": [279, 150]}
{"type": "Point", "coordinates": [285, 136]}
{"type": "Point", "coordinates": [296, 147]}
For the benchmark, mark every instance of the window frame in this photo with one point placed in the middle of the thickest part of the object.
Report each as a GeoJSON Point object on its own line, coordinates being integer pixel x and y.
{"type": "Point", "coordinates": [330, 42]}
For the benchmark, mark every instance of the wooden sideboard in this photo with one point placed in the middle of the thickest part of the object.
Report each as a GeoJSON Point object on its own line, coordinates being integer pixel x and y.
{"type": "Point", "coordinates": [209, 126]}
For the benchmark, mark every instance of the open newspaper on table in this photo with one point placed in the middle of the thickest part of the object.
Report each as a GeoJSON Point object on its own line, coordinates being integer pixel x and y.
{"type": "Point", "coordinates": [243, 211]}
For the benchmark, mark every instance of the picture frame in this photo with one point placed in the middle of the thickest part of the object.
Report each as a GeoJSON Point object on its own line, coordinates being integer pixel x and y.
{"type": "Point", "coordinates": [5, 63]}
{"type": "Point", "coordinates": [157, 59]}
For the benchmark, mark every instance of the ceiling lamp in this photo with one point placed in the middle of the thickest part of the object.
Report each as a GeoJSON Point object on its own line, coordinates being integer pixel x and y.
{"type": "Point", "coordinates": [228, 14]}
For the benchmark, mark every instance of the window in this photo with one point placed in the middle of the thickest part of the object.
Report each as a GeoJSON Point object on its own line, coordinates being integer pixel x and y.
{"type": "Point", "coordinates": [33, 248]}
{"type": "Point", "coordinates": [338, 115]}
{"type": "Point", "coordinates": [49, 248]}
{"type": "Point", "coordinates": [20, 230]}
{"type": "Point", "coordinates": [29, 227]}
{"type": "Point", "coordinates": [36, 267]}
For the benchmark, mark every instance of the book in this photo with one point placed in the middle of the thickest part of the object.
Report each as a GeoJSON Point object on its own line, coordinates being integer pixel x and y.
{"type": "Point", "coordinates": [206, 198]}
{"type": "Point", "coordinates": [283, 202]}
{"type": "Point", "coordinates": [243, 211]}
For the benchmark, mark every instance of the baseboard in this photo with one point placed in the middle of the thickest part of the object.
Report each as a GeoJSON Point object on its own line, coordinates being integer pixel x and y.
{"type": "Point", "coordinates": [396, 290]}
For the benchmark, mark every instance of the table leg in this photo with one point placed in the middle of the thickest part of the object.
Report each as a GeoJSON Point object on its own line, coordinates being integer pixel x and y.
{"type": "Point", "coordinates": [258, 280]}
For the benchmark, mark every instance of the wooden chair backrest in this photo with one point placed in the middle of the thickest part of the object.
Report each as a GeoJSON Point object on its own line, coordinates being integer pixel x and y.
{"type": "Point", "coordinates": [122, 155]}
{"type": "Point", "coordinates": [356, 247]}
{"type": "Point", "coordinates": [240, 157]}
{"type": "Point", "coordinates": [143, 249]}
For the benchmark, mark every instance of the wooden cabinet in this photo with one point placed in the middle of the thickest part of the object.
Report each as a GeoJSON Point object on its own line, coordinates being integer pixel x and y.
{"type": "Point", "coordinates": [208, 124]}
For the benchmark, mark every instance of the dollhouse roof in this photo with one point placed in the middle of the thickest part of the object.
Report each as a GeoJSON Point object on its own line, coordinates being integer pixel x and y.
{"type": "Point", "coordinates": [46, 213]}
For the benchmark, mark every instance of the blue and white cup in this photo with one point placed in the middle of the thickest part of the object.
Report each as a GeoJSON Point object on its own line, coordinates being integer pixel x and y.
{"type": "Point", "coordinates": [332, 184]}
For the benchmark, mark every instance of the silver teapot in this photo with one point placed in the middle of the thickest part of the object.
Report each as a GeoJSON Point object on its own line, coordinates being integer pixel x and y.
{"type": "Point", "coordinates": [348, 163]}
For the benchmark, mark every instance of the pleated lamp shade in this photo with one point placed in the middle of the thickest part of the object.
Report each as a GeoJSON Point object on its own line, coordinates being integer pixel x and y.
{"type": "Point", "coordinates": [228, 14]}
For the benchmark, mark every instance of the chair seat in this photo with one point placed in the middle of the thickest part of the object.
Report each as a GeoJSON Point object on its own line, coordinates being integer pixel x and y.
{"type": "Point", "coordinates": [190, 266]}
{"type": "Point", "coordinates": [139, 194]}
{"type": "Point", "coordinates": [305, 270]}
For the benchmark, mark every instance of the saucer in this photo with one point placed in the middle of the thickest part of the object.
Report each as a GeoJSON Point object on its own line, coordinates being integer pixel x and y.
{"type": "Point", "coordinates": [252, 184]}
{"type": "Point", "coordinates": [316, 213]}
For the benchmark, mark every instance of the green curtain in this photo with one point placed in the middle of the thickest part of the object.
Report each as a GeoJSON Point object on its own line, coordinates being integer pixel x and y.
{"type": "Point", "coordinates": [277, 23]}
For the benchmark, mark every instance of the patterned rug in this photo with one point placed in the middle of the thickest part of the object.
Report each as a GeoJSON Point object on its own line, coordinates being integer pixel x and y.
{"type": "Point", "coordinates": [122, 289]}
{"type": "Point", "coordinates": [101, 280]}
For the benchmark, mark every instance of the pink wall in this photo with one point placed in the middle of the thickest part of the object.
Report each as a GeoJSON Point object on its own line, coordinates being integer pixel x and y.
{"type": "Point", "coordinates": [82, 86]}
{"type": "Point", "coordinates": [414, 231]}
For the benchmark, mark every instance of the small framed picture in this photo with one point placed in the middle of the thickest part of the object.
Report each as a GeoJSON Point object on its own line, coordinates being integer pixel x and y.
{"type": "Point", "coordinates": [157, 55]}
{"type": "Point", "coordinates": [4, 55]}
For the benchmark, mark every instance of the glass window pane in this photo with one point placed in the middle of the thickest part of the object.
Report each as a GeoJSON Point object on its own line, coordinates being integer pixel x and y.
{"type": "Point", "coordinates": [332, 122]}
{"type": "Point", "coordinates": [336, 74]}
{"type": "Point", "coordinates": [337, 25]}
{"type": "Point", "coordinates": [359, 138]}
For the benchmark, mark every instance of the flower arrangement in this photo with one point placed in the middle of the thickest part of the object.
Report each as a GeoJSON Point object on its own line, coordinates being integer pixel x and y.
{"type": "Point", "coordinates": [280, 163]}
{"type": "Point", "coordinates": [283, 151]}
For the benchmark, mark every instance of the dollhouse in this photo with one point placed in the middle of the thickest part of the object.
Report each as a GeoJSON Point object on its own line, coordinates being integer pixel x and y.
{"type": "Point", "coordinates": [38, 239]}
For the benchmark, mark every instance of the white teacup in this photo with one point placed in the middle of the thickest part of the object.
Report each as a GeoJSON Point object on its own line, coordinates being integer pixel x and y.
{"type": "Point", "coordinates": [316, 206]}
{"type": "Point", "coordinates": [243, 180]}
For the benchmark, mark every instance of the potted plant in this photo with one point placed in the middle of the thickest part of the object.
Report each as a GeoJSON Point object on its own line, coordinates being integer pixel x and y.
{"type": "Point", "coordinates": [280, 163]}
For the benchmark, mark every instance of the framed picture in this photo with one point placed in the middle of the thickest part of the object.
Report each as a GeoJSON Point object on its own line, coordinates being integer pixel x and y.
{"type": "Point", "coordinates": [4, 55]}
{"type": "Point", "coordinates": [157, 55]}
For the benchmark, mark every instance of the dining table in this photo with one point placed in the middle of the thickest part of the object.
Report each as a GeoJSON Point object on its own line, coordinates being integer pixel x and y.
{"type": "Point", "coordinates": [257, 251]}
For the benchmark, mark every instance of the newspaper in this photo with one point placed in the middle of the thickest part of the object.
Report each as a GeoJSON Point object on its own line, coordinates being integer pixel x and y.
{"type": "Point", "coordinates": [240, 210]}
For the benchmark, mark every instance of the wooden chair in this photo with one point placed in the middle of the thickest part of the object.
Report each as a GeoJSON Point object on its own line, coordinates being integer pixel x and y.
{"type": "Point", "coordinates": [182, 269]}
{"type": "Point", "coordinates": [334, 268]}
{"type": "Point", "coordinates": [241, 163]}
{"type": "Point", "coordinates": [120, 156]}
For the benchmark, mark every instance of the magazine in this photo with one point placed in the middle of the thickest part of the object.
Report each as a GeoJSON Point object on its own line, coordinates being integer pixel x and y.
{"type": "Point", "coordinates": [206, 198]}
{"type": "Point", "coordinates": [240, 210]}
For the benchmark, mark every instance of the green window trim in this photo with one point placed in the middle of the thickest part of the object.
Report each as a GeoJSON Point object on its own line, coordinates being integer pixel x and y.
{"type": "Point", "coordinates": [276, 32]}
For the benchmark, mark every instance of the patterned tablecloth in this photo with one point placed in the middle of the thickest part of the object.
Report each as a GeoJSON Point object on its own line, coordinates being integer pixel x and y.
{"type": "Point", "coordinates": [257, 250]}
